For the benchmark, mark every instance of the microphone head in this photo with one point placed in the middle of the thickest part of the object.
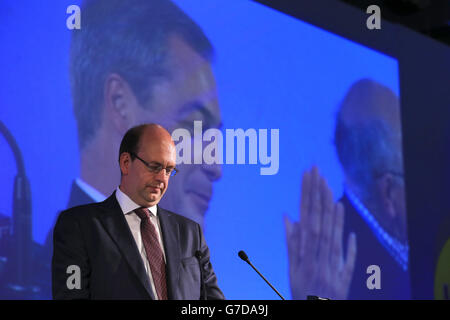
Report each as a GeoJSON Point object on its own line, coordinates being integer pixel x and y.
{"type": "Point", "coordinates": [243, 255]}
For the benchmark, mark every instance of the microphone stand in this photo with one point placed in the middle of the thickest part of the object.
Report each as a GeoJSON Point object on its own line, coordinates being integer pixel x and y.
{"type": "Point", "coordinates": [244, 257]}
{"type": "Point", "coordinates": [18, 283]}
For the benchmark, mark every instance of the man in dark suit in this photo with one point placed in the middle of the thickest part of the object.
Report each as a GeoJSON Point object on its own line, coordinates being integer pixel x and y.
{"type": "Point", "coordinates": [371, 215]}
{"type": "Point", "coordinates": [395, 280]}
{"type": "Point", "coordinates": [127, 247]}
{"type": "Point", "coordinates": [368, 141]}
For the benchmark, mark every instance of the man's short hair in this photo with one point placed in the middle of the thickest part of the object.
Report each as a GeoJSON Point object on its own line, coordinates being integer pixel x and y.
{"type": "Point", "coordinates": [130, 141]}
{"type": "Point", "coordinates": [127, 37]}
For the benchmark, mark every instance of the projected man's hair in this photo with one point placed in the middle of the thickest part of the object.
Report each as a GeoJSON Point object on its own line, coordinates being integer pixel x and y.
{"type": "Point", "coordinates": [369, 147]}
{"type": "Point", "coordinates": [128, 38]}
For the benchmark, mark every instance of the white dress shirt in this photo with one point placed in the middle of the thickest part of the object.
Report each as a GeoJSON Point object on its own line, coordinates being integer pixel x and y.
{"type": "Point", "coordinates": [134, 222]}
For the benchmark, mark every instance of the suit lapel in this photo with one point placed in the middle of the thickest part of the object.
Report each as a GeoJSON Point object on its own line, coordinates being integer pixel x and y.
{"type": "Point", "coordinates": [171, 236]}
{"type": "Point", "coordinates": [116, 225]}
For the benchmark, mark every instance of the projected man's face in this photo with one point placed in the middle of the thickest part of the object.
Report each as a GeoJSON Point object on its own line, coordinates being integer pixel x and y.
{"type": "Point", "coordinates": [401, 209]}
{"type": "Point", "coordinates": [188, 94]}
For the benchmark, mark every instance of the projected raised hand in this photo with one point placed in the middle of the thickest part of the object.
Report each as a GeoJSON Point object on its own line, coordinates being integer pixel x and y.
{"type": "Point", "coordinates": [317, 265]}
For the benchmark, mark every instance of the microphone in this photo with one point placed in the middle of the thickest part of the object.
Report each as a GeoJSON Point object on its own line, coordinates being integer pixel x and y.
{"type": "Point", "coordinates": [244, 257]}
{"type": "Point", "coordinates": [199, 256]}
{"type": "Point", "coordinates": [21, 218]}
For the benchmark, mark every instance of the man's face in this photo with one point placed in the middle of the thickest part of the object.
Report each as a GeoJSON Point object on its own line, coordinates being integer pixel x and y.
{"type": "Point", "coordinates": [145, 187]}
{"type": "Point", "coordinates": [188, 94]}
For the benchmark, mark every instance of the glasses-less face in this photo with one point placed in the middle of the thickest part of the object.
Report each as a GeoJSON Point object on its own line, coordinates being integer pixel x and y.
{"type": "Point", "coordinates": [156, 167]}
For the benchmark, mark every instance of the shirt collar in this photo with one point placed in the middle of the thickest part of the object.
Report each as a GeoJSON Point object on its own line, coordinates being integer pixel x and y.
{"type": "Point", "coordinates": [128, 206]}
{"type": "Point", "coordinates": [395, 248]}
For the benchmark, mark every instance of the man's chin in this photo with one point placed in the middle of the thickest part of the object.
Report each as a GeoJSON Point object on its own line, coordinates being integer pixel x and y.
{"type": "Point", "coordinates": [152, 201]}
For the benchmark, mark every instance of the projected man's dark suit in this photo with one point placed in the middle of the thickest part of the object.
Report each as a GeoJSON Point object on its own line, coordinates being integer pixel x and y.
{"type": "Point", "coordinates": [78, 196]}
{"type": "Point", "coordinates": [394, 281]}
{"type": "Point", "coordinates": [368, 143]}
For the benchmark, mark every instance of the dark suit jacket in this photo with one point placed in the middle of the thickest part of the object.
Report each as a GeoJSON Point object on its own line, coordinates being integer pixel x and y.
{"type": "Point", "coordinates": [394, 281]}
{"type": "Point", "coordinates": [96, 237]}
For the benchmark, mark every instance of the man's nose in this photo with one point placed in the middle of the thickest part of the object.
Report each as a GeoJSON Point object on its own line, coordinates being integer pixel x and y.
{"type": "Point", "coordinates": [213, 171]}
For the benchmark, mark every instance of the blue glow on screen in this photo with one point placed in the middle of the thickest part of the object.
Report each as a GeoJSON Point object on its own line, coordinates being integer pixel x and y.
{"type": "Point", "coordinates": [272, 72]}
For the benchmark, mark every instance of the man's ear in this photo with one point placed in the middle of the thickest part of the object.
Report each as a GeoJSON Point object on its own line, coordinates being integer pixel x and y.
{"type": "Point", "coordinates": [124, 163]}
{"type": "Point", "coordinates": [120, 103]}
{"type": "Point", "coordinates": [386, 190]}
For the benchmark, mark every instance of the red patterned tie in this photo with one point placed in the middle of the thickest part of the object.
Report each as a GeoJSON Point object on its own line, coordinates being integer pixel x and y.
{"type": "Point", "coordinates": [154, 253]}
